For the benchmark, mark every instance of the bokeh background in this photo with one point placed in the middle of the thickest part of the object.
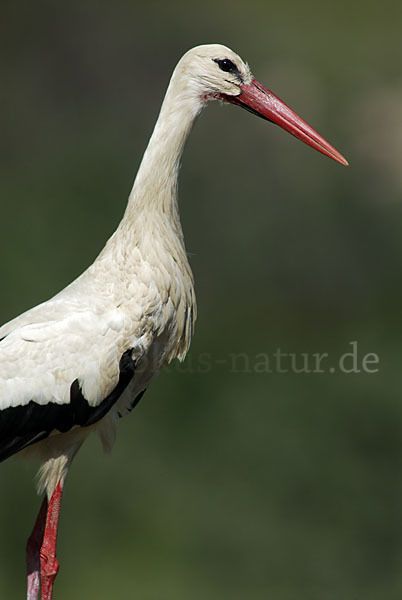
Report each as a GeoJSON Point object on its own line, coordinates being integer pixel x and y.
{"type": "Point", "coordinates": [224, 482]}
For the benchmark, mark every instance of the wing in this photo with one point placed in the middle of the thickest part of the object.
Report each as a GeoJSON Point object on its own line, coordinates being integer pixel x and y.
{"type": "Point", "coordinates": [62, 370]}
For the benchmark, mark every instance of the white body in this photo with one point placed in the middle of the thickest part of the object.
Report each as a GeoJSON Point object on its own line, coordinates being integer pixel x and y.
{"type": "Point", "coordinates": [138, 294]}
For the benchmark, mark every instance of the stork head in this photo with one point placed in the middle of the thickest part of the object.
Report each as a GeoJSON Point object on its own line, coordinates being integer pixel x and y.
{"type": "Point", "coordinates": [215, 72]}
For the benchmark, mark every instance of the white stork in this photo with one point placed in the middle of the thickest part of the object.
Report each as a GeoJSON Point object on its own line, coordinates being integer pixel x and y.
{"type": "Point", "coordinates": [81, 360]}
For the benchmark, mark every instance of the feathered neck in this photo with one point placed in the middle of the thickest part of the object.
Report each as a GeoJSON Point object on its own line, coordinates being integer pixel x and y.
{"type": "Point", "coordinates": [155, 187]}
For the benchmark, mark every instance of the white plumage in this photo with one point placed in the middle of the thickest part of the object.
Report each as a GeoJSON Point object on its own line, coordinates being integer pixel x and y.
{"type": "Point", "coordinates": [82, 359]}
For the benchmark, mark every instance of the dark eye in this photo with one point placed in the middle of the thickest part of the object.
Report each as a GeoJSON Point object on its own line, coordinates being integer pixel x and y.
{"type": "Point", "coordinates": [226, 65]}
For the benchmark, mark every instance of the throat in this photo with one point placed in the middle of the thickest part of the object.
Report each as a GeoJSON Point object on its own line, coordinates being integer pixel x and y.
{"type": "Point", "coordinates": [155, 187]}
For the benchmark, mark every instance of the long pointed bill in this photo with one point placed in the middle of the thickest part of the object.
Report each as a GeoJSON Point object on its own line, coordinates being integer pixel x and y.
{"type": "Point", "coordinates": [262, 102]}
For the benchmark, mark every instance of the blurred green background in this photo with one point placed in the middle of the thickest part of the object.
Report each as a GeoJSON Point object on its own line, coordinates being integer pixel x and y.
{"type": "Point", "coordinates": [228, 483]}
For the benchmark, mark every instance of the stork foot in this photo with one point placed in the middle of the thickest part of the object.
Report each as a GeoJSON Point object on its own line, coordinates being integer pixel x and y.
{"type": "Point", "coordinates": [49, 565]}
{"type": "Point", "coordinates": [42, 564]}
{"type": "Point", "coordinates": [33, 547]}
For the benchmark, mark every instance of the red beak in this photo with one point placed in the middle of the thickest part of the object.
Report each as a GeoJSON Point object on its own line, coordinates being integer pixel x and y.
{"type": "Point", "coordinates": [262, 102]}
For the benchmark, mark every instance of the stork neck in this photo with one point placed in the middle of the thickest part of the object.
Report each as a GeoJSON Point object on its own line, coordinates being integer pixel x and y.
{"type": "Point", "coordinates": [155, 187]}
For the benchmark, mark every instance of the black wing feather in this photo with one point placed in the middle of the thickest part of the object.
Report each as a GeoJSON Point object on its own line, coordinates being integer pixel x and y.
{"type": "Point", "coordinates": [21, 426]}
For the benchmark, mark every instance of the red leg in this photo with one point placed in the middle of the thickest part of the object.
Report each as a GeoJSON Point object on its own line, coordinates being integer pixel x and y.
{"type": "Point", "coordinates": [32, 553]}
{"type": "Point", "coordinates": [49, 565]}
